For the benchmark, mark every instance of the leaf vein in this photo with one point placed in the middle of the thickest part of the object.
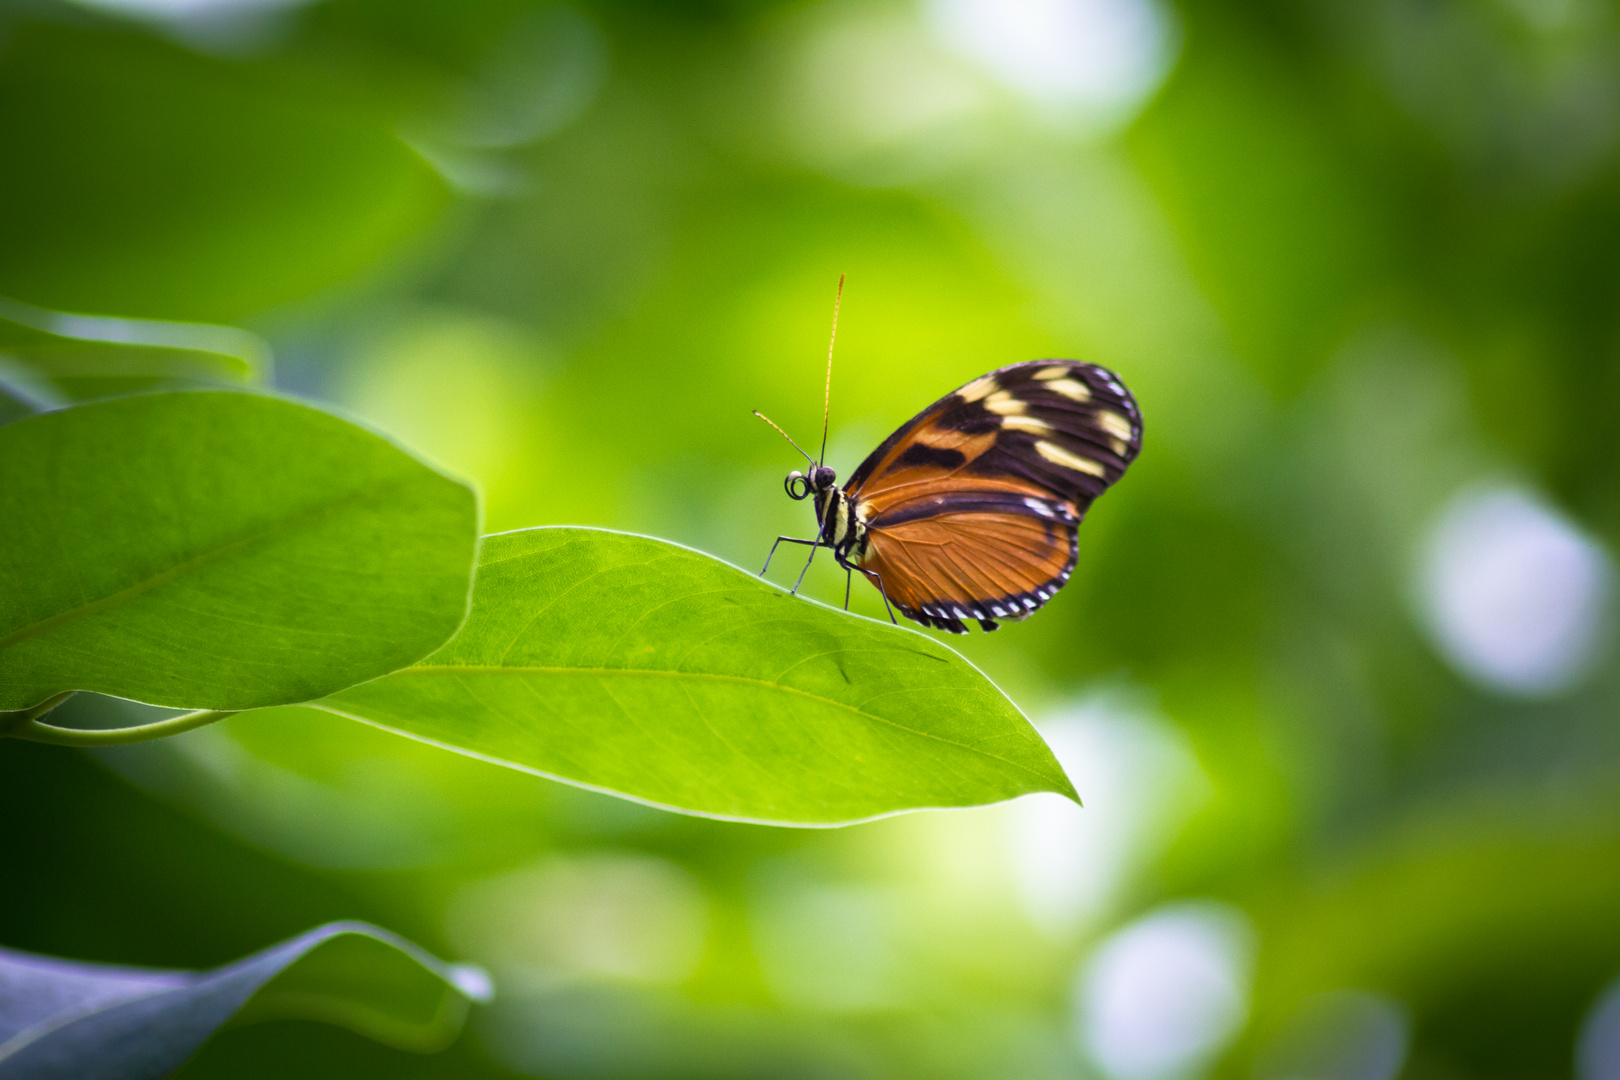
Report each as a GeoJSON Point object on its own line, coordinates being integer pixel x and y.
{"type": "Point", "coordinates": [513, 669]}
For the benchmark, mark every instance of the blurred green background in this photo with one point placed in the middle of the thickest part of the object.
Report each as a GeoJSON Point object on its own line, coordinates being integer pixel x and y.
{"type": "Point", "coordinates": [1335, 675]}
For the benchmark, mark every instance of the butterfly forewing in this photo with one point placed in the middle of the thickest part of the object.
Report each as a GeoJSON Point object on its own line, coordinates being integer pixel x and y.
{"type": "Point", "coordinates": [972, 508]}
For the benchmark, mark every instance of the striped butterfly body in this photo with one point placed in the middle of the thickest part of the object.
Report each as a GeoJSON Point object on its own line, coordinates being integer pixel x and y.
{"type": "Point", "coordinates": [971, 511]}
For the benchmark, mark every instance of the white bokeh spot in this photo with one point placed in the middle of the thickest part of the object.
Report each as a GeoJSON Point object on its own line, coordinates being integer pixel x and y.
{"type": "Point", "coordinates": [1515, 595]}
{"type": "Point", "coordinates": [1140, 781]}
{"type": "Point", "coordinates": [1159, 999]}
{"type": "Point", "coordinates": [1597, 1049]}
{"type": "Point", "coordinates": [1094, 55]}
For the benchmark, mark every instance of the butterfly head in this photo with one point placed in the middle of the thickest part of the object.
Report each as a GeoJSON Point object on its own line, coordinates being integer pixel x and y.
{"type": "Point", "coordinates": [799, 486]}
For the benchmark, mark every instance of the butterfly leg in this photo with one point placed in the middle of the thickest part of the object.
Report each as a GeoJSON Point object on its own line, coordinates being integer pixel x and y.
{"type": "Point", "coordinates": [881, 589]}
{"type": "Point", "coordinates": [795, 590]}
{"type": "Point", "coordinates": [849, 576]}
{"type": "Point", "coordinates": [779, 539]}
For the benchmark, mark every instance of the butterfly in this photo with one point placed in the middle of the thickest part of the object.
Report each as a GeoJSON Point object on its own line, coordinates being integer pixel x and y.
{"type": "Point", "coordinates": [971, 510]}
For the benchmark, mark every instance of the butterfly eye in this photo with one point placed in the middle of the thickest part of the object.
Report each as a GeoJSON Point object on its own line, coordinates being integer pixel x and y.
{"type": "Point", "coordinates": [822, 477]}
{"type": "Point", "coordinates": [797, 485]}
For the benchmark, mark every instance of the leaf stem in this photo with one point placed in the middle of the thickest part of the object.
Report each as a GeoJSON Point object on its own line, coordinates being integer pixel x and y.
{"type": "Point", "coordinates": [15, 718]}
{"type": "Point", "coordinates": [39, 731]}
{"type": "Point", "coordinates": [47, 705]}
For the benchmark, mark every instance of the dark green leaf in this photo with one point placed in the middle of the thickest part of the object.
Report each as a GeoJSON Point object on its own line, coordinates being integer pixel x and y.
{"type": "Point", "coordinates": [650, 670]}
{"type": "Point", "coordinates": [219, 550]}
{"type": "Point", "coordinates": [67, 1020]}
{"type": "Point", "coordinates": [48, 358]}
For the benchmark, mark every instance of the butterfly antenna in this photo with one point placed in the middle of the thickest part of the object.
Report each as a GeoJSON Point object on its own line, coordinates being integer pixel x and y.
{"type": "Point", "coordinates": [826, 403]}
{"type": "Point", "coordinates": [784, 435]}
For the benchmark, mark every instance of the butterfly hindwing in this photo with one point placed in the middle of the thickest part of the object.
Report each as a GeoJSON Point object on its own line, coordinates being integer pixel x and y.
{"type": "Point", "coordinates": [971, 509]}
{"type": "Point", "coordinates": [974, 560]}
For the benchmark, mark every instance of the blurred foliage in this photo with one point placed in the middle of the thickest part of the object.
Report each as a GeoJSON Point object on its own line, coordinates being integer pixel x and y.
{"type": "Point", "coordinates": [1354, 258]}
{"type": "Point", "coordinates": [179, 187]}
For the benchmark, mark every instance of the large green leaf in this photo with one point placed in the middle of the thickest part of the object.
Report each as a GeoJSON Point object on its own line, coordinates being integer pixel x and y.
{"type": "Point", "coordinates": [646, 669]}
{"type": "Point", "coordinates": [61, 1019]}
{"type": "Point", "coordinates": [219, 550]}
{"type": "Point", "coordinates": [48, 358]}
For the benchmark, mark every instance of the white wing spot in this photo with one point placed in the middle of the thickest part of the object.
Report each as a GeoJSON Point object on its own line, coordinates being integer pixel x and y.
{"type": "Point", "coordinates": [1059, 456]}
{"type": "Point", "coordinates": [1115, 424]}
{"type": "Point", "coordinates": [983, 386]}
{"type": "Point", "coordinates": [1070, 388]}
{"type": "Point", "coordinates": [1039, 507]}
{"type": "Point", "coordinates": [1002, 403]}
{"type": "Point", "coordinates": [1032, 424]}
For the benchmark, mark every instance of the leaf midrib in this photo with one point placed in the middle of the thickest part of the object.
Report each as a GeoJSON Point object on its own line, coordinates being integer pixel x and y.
{"type": "Point", "coordinates": [282, 525]}
{"type": "Point", "coordinates": [519, 669]}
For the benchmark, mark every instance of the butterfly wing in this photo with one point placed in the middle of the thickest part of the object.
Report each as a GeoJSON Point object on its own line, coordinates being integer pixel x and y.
{"type": "Point", "coordinates": [973, 560]}
{"type": "Point", "coordinates": [971, 509]}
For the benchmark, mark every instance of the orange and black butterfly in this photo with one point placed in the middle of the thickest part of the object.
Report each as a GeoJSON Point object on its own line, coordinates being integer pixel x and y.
{"type": "Point", "coordinates": [971, 511]}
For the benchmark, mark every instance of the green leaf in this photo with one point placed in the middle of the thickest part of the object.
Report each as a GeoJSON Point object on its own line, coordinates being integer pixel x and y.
{"type": "Point", "coordinates": [649, 670]}
{"type": "Point", "coordinates": [64, 1019]}
{"type": "Point", "coordinates": [218, 550]}
{"type": "Point", "coordinates": [48, 358]}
